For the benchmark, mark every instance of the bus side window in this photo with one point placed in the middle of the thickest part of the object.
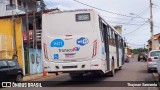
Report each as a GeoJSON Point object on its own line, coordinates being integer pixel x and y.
{"type": "Point", "coordinates": [101, 29]}
{"type": "Point", "coordinates": [109, 36]}
{"type": "Point", "coordinates": [100, 24]}
{"type": "Point", "coordinates": [120, 42]}
{"type": "Point", "coordinates": [113, 38]}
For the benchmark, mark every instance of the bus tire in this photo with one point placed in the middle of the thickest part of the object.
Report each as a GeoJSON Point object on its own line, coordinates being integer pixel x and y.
{"type": "Point", "coordinates": [120, 68]}
{"type": "Point", "coordinates": [159, 77]}
{"type": "Point", "coordinates": [111, 73]}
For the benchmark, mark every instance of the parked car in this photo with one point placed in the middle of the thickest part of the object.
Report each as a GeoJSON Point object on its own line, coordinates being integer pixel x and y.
{"type": "Point", "coordinates": [158, 67]}
{"type": "Point", "coordinates": [152, 60]}
{"type": "Point", "coordinates": [10, 71]}
{"type": "Point", "coordinates": [142, 56]}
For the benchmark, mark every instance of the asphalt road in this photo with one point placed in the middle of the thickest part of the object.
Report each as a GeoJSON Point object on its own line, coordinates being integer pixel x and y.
{"type": "Point", "coordinates": [132, 71]}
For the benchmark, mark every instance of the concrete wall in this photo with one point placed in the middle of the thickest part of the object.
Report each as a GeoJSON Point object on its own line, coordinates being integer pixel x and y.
{"type": "Point", "coordinates": [156, 44]}
{"type": "Point", "coordinates": [6, 29]}
{"type": "Point", "coordinates": [21, 10]}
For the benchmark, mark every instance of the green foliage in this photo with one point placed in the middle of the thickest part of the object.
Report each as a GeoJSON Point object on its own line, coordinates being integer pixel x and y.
{"type": "Point", "coordinates": [139, 50]}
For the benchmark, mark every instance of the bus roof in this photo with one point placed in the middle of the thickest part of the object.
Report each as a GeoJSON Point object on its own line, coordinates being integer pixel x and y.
{"type": "Point", "coordinates": [76, 10]}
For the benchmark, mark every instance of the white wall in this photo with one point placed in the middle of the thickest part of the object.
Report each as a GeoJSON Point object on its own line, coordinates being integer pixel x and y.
{"type": "Point", "coordinates": [4, 12]}
{"type": "Point", "coordinates": [156, 44]}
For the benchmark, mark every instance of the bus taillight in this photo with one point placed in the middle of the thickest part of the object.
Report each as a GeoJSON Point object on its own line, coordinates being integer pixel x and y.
{"type": "Point", "coordinates": [94, 48]}
{"type": "Point", "coordinates": [45, 51]}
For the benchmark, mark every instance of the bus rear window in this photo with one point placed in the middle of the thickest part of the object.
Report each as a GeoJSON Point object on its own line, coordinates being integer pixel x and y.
{"type": "Point", "coordinates": [83, 17]}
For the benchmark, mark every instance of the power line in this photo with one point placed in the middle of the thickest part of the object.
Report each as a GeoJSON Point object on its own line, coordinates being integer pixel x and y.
{"type": "Point", "coordinates": [115, 18]}
{"type": "Point", "coordinates": [103, 9]}
{"type": "Point", "coordinates": [144, 10]}
{"type": "Point", "coordinates": [156, 5]}
{"type": "Point", "coordinates": [119, 18]}
{"type": "Point", "coordinates": [140, 14]}
{"type": "Point", "coordinates": [136, 29]}
{"type": "Point", "coordinates": [123, 23]}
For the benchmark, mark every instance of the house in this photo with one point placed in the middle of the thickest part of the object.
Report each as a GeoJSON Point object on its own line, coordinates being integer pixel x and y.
{"type": "Point", "coordinates": [13, 34]}
{"type": "Point", "coordinates": [9, 7]}
{"type": "Point", "coordinates": [156, 42]}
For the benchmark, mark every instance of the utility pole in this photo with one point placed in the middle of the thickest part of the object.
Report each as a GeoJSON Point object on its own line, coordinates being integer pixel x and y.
{"type": "Point", "coordinates": [27, 26]}
{"type": "Point", "coordinates": [34, 31]}
{"type": "Point", "coordinates": [34, 25]}
{"type": "Point", "coordinates": [42, 7]}
{"type": "Point", "coordinates": [14, 36]}
{"type": "Point", "coordinates": [151, 24]}
{"type": "Point", "coordinates": [28, 42]}
{"type": "Point", "coordinates": [13, 30]}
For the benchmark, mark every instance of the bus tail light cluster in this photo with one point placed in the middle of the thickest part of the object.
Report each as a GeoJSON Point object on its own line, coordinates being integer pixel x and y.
{"type": "Point", "coordinates": [149, 59]}
{"type": "Point", "coordinates": [94, 48]}
{"type": "Point", "coordinates": [45, 51]}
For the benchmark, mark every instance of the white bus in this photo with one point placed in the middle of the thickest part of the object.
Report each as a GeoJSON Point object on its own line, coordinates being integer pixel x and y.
{"type": "Point", "coordinates": [78, 42]}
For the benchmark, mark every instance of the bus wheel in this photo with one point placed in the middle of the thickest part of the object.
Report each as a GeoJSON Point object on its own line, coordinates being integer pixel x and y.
{"type": "Point", "coordinates": [159, 77]}
{"type": "Point", "coordinates": [111, 73]}
{"type": "Point", "coordinates": [120, 68]}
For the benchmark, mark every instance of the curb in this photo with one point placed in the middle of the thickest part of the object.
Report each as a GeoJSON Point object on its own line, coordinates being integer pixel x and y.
{"type": "Point", "coordinates": [33, 78]}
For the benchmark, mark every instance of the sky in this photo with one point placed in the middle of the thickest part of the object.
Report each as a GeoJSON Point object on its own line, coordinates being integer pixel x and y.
{"type": "Point", "coordinates": [133, 15]}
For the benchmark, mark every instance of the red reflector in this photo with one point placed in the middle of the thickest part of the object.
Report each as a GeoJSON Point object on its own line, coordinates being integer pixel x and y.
{"type": "Point", "coordinates": [96, 65]}
{"type": "Point", "coordinates": [149, 59]}
{"type": "Point", "coordinates": [94, 48]}
{"type": "Point", "coordinates": [45, 67]}
{"type": "Point", "coordinates": [45, 51]}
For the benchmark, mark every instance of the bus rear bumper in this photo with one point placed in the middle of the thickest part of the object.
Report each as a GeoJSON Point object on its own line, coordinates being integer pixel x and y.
{"type": "Point", "coordinates": [90, 65]}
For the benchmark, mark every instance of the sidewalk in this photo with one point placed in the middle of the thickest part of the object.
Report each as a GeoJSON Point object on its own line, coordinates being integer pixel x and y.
{"type": "Point", "coordinates": [38, 76]}
{"type": "Point", "coordinates": [156, 78]}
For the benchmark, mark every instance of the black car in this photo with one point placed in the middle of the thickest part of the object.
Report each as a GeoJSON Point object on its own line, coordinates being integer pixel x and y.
{"type": "Point", "coordinates": [10, 71]}
{"type": "Point", "coordinates": [142, 56]}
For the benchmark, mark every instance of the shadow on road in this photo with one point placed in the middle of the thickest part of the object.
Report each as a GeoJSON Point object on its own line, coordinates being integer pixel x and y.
{"type": "Point", "coordinates": [143, 71]}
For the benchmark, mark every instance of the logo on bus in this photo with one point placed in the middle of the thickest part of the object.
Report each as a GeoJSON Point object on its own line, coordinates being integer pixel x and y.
{"type": "Point", "coordinates": [56, 56]}
{"type": "Point", "coordinates": [57, 43]}
{"type": "Point", "coordinates": [75, 49]}
{"type": "Point", "coordinates": [82, 41]}
{"type": "Point", "coordinates": [69, 55]}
